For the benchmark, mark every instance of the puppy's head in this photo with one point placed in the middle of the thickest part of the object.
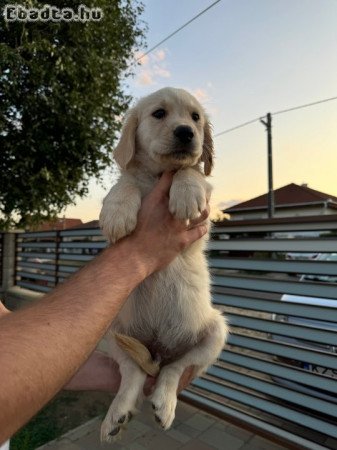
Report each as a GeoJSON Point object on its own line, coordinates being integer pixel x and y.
{"type": "Point", "coordinates": [166, 130]}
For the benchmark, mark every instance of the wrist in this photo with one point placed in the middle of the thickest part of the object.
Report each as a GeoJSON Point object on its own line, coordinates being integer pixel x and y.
{"type": "Point", "coordinates": [130, 258]}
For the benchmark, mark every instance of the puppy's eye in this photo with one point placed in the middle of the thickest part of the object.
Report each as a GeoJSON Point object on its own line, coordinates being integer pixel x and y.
{"type": "Point", "coordinates": [195, 117]}
{"type": "Point", "coordinates": [159, 114]}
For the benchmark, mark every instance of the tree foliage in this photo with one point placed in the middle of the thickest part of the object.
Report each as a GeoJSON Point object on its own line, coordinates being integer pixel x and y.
{"type": "Point", "coordinates": [61, 96]}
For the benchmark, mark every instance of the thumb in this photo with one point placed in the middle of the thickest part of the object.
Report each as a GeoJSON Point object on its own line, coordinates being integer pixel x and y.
{"type": "Point", "coordinates": [162, 188]}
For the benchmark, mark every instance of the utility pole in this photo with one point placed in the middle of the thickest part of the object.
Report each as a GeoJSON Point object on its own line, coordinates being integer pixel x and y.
{"type": "Point", "coordinates": [271, 206]}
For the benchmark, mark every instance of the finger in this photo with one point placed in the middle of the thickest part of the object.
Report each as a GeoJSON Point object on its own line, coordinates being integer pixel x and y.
{"type": "Point", "coordinates": [162, 188]}
{"type": "Point", "coordinates": [203, 216]}
{"type": "Point", "coordinates": [195, 233]}
{"type": "Point", "coordinates": [149, 386]}
{"type": "Point", "coordinates": [186, 378]}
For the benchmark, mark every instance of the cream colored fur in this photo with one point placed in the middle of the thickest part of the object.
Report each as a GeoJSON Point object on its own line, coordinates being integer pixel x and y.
{"type": "Point", "coordinates": [172, 308]}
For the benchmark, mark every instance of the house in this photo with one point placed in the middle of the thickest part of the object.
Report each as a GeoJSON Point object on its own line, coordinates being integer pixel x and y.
{"type": "Point", "coordinates": [61, 223]}
{"type": "Point", "coordinates": [292, 200]}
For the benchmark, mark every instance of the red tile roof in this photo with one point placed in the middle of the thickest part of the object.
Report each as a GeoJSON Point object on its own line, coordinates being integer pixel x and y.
{"type": "Point", "coordinates": [291, 195]}
{"type": "Point", "coordinates": [59, 224]}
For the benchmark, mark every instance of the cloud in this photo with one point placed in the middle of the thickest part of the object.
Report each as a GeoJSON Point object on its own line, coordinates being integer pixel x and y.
{"type": "Point", "coordinates": [159, 55]}
{"type": "Point", "coordinates": [145, 78]}
{"type": "Point", "coordinates": [201, 95]}
{"type": "Point", "coordinates": [228, 203]}
{"type": "Point", "coordinates": [153, 67]}
{"type": "Point", "coordinates": [144, 58]}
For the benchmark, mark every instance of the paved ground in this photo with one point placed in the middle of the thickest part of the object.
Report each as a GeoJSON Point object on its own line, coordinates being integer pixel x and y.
{"type": "Point", "coordinates": [192, 430]}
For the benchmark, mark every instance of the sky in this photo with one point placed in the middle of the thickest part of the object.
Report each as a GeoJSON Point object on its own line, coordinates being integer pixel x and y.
{"type": "Point", "coordinates": [243, 59]}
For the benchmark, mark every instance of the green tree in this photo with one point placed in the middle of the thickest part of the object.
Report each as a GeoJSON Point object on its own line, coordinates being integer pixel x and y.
{"type": "Point", "coordinates": [61, 97]}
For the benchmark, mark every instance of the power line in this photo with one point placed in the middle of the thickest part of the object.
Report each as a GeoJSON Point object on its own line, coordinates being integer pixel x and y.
{"type": "Point", "coordinates": [305, 106]}
{"type": "Point", "coordinates": [238, 126]}
{"type": "Point", "coordinates": [177, 31]}
{"type": "Point", "coordinates": [283, 111]}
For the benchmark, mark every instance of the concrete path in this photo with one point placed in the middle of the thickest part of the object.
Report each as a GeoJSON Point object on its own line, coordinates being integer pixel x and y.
{"type": "Point", "coordinates": [192, 430]}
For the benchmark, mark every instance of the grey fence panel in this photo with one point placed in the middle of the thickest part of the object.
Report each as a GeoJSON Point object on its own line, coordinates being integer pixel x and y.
{"type": "Point", "coordinates": [44, 259]}
{"type": "Point", "coordinates": [283, 287]}
{"type": "Point", "coordinates": [269, 406]}
{"type": "Point", "coordinates": [305, 333]}
{"type": "Point", "coordinates": [274, 306]}
{"type": "Point", "coordinates": [296, 267]}
{"type": "Point", "coordinates": [272, 389]}
{"type": "Point", "coordinates": [288, 351]}
{"type": "Point", "coordinates": [275, 245]}
{"type": "Point", "coordinates": [278, 370]}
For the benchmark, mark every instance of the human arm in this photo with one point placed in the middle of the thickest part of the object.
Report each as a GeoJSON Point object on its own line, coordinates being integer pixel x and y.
{"type": "Point", "coordinates": [44, 345]}
{"type": "Point", "coordinates": [101, 373]}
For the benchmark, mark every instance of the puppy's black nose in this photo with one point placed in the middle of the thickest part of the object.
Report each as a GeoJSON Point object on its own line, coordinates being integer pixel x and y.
{"type": "Point", "coordinates": [184, 133]}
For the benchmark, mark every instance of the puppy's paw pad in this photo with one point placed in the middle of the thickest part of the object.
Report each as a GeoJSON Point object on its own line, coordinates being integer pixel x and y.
{"type": "Point", "coordinates": [164, 411]}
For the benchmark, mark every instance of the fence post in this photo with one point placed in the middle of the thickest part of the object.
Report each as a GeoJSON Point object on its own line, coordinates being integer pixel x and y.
{"type": "Point", "coordinates": [8, 268]}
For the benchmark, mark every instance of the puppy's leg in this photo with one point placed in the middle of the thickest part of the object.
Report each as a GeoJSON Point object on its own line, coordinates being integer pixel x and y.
{"type": "Point", "coordinates": [118, 216]}
{"type": "Point", "coordinates": [164, 398]}
{"type": "Point", "coordinates": [188, 194]}
{"type": "Point", "coordinates": [124, 404]}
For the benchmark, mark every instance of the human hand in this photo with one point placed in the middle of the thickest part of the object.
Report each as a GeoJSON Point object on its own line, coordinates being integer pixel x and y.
{"type": "Point", "coordinates": [184, 381]}
{"type": "Point", "coordinates": [101, 373]}
{"type": "Point", "coordinates": [159, 237]}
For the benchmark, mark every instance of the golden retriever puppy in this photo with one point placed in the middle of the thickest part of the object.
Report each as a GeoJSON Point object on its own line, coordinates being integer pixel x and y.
{"type": "Point", "coordinates": [168, 323]}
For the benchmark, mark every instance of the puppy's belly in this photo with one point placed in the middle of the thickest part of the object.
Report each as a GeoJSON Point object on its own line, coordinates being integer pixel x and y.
{"type": "Point", "coordinates": [169, 312]}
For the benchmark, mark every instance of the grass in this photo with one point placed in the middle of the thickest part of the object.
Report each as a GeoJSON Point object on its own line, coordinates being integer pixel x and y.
{"type": "Point", "coordinates": [68, 410]}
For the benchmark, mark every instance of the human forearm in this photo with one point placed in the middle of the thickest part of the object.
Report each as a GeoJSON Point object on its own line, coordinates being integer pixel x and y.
{"type": "Point", "coordinates": [44, 345]}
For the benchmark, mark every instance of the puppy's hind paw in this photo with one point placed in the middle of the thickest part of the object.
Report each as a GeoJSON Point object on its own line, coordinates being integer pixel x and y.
{"type": "Point", "coordinates": [111, 431]}
{"type": "Point", "coordinates": [164, 410]}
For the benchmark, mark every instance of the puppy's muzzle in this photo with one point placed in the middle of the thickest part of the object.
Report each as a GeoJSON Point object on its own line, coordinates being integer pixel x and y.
{"type": "Point", "coordinates": [184, 134]}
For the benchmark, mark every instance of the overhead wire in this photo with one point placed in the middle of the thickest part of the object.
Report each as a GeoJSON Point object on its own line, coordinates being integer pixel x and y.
{"type": "Point", "coordinates": [282, 111]}
{"type": "Point", "coordinates": [177, 30]}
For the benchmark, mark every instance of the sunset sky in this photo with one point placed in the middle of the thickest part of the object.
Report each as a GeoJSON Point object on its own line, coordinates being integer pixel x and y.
{"type": "Point", "coordinates": [242, 59]}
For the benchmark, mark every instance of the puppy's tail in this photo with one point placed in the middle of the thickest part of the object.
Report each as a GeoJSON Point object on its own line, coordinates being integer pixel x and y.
{"type": "Point", "coordinates": [139, 353]}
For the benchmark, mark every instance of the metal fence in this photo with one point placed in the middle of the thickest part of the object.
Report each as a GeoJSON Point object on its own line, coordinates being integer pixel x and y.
{"type": "Point", "coordinates": [276, 281]}
{"type": "Point", "coordinates": [278, 372]}
{"type": "Point", "coordinates": [44, 259]}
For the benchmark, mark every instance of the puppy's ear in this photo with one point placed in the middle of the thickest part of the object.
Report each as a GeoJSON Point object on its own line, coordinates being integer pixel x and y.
{"type": "Point", "coordinates": [208, 149]}
{"type": "Point", "coordinates": [126, 147]}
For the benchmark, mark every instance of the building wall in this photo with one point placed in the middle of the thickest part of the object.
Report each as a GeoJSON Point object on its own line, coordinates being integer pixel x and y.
{"type": "Point", "coordinates": [283, 212]}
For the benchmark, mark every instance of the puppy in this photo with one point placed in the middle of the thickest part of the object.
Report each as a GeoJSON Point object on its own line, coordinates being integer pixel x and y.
{"type": "Point", "coordinates": [168, 322]}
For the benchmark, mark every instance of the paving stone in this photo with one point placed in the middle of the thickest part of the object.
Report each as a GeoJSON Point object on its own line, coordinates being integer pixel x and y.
{"type": "Point", "coordinates": [263, 444]}
{"type": "Point", "coordinates": [136, 446]}
{"type": "Point", "coordinates": [92, 442]}
{"type": "Point", "coordinates": [199, 422]}
{"type": "Point", "coordinates": [195, 444]}
{"type": "Point", "coordinates": [185, 429]}
{"type": "Point", "coordinates": [220, 439]}
{"type": "Point", "coordinates": [242, 434]}
{"type": "Point", "coordinates": [178, 435]}
{"type": "Point", "coordinates": [57, 444]}
{"type": "Point", "coordinates": [185, 411]}
{"type": "Point", "coordinates": [84, 429]}
{"type": "Point", "coordinates": [138, 425]}
{"type": "Point", "coordinates": [158, 440]}
{"type": "Point", "coordinates": [65, 444]}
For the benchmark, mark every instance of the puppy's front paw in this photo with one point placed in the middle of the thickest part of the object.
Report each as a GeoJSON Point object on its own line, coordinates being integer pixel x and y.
{"type": "Point", "coordinates": [187, 201]}
{"type": "Point", "coordinates": [118, 219]}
